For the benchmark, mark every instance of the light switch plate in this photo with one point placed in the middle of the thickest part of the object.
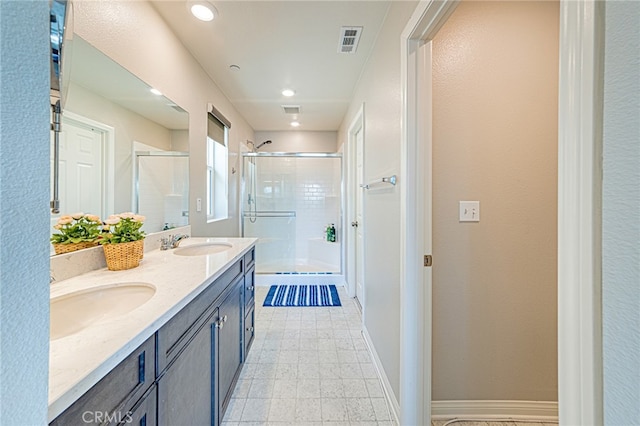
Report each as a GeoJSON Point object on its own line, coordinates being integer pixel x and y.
{"type": "Point", "coordinates": [469, 211]}
{"type": "Point", "coordinates": [198, 204]}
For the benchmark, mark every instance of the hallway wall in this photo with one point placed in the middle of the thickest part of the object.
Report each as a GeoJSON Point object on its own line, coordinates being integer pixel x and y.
{"type": "Point", "coordinates": [620, 219]}
{"type": "Point", "coordinates": [495, 88]}
{"type": "Point", "coordinates": [379, 90]}
{"type": "Point", "coordinates": [24, 201]}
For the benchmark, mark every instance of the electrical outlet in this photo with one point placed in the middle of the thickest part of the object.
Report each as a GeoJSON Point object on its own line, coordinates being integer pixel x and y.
{"type": "Point", "coordinates": [469, 211]}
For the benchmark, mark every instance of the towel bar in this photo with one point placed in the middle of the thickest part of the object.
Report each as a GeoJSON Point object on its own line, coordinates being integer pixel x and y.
{"type": "Point", "coordinates": [390, 180]}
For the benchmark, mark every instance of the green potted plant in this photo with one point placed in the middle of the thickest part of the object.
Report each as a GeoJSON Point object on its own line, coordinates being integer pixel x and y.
{"type": "Point", "coordinates": [76, 232]}
{"type": "Point", "coordinates": [123, 241]}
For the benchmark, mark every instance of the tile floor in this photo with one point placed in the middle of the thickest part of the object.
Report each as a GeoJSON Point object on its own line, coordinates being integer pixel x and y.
{"type": "Point", "coordinates": [308, 366]}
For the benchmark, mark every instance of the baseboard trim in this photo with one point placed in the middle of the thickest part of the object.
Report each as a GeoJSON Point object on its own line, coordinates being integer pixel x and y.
{"type": "Point", "coordinates": [495, 409]}
{"type": "Point", "coordinates": [392, 401]}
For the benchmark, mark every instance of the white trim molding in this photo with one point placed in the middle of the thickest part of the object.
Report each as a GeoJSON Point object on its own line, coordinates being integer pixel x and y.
{"type": "Point", "coordinates": [495, 410]}
{"type": "Point", "coordinates": [579, 213]}
{"type": "Point", "coordinates": [357, 124]}
{"type": "Point", "coordinates": [415, 209]}
{"type": "Point", "coordinates": [390, 396]}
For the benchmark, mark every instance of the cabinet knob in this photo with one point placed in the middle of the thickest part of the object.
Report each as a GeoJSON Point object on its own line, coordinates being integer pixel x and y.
{"type": "Point", "coordinates": [223, 319]}
{"type": "Point", "coordinates": [251, 288]}
{"type": "Point", "coordinates": [220, 323]}
{"type": "Point", "coordinates": [250, 329]}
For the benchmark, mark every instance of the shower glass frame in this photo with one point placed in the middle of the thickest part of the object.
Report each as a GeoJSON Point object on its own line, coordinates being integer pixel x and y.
{"type": "Point", "coordinates": [337, 155]}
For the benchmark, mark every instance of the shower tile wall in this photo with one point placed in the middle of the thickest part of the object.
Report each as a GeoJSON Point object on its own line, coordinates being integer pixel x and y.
{"type": "Point", "coordinates": [317, 200]}
{"type": "Point", "coordinates": [310, 187]}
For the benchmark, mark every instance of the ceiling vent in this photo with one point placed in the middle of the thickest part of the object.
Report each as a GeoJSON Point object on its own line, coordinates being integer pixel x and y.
{"type": "Point", "coordinates": [349, 39]}
{"type": "Point", "coordinates": [291, 109]}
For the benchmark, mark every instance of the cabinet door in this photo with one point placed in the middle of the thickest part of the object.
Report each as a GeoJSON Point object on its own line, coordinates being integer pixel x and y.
{"type": "Point", "coordinates": [249, 288]}
{"type": "Point", "coordinates": [109, 400]}
{"type": "Point", "coordinates": [229, 344]}
{"type": "Point", "coordinates": [249, 332]}
{"type": "Point", "coordinates": [144, 413]}
{"type": "Point", "coordinates": [185, 392]}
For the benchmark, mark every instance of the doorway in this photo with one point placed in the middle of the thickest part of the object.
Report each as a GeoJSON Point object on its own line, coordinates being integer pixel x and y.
{"type": "Point", "coordinates": [579, 385]}
{"type": "Point", "coordinates": [355, 225]}
{"type": "Point", "coordinates": [86, 166]}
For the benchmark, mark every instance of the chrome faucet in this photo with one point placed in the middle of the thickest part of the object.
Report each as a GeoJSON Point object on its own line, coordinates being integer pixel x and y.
{"type": "Point", "coordinates": [175, 239]}
{"type": "Point", "coordinates": [171, 241]}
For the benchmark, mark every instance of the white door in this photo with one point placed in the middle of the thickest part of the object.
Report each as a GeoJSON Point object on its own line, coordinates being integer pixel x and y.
{"type": "Point", "coordinates": [359, 255]}
{"type": "Point", "coordinates": [81, 170]}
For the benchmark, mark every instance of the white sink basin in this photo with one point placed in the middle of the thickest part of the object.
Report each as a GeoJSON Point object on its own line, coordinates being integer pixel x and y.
{"type": "Point", "coordinates": [202, 249]}
{"type": "Point", "coordinates": [75, 311]}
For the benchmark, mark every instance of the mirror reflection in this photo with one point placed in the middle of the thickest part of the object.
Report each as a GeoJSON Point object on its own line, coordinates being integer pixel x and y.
{"type": "Point", "coordinates": [122, 147]}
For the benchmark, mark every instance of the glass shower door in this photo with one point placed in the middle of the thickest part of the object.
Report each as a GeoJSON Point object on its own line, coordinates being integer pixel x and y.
{"type": "Point", "coordinates": [269, 215]}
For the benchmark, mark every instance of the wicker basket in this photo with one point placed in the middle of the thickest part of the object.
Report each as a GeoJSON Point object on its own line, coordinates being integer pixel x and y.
{"type": "Point", "coordinates": [123, 255]}
{"type": "Point", "coordinates": [68, 248]}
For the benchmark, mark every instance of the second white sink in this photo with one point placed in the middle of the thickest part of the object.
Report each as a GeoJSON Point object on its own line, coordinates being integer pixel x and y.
{"type": "Point", "coordinates": [202, 249]}
{"type": "Point", "coordinates": [75, 311]}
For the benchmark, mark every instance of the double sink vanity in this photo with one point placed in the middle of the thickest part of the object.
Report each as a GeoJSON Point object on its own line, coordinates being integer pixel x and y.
{"type": "Point", "coordinates": [161, 344]}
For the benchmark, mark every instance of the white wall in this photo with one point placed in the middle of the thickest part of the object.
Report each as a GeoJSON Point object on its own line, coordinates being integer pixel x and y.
{"type": "Point", "coordinates": [24, 216]}
{"type": "Point", "coordinates": [379, 90]}
{"type": "Point", "coordinates": [298, 141]}
{"type": "Point", "coordinates": [621, 218]}
{"type": "Point", "coordinates": [127, 128]}
{"type": "Point", "coordinates": [135, 36]}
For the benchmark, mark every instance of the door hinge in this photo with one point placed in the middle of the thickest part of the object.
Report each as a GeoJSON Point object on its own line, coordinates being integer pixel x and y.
{"type": "Point", "coordinates": [428, 260]}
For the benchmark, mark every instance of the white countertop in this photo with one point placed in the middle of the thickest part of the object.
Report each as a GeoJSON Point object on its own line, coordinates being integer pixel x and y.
{"type": "Point", "coordinates": [79, 361]}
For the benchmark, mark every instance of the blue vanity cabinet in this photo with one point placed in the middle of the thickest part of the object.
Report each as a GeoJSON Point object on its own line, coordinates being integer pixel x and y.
{"type": "Point", "coordinates": [113, 399]}
{"type": "Point", "coordinates": [249, 305]}
{"type": "Point", "coordinates": [144, 412]}
{"type": "Point", "coordinates": [200, 353]}
{"type": "Point", "coordinates": [186, 372]}
{"type": "Point", "coordinates": [229, 344]}
{"type": "Point", "coordinates": [185, 394]}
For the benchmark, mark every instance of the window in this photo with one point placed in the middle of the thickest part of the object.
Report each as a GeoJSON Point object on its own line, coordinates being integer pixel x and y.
{"type": "Point", "coordinates": [217, 164]}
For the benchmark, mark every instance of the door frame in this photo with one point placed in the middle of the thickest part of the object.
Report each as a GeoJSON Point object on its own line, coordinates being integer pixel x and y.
{"type": "Point", "coordinates": [579, 211]}
{"type": "Point", "coordinates": [357, 124]}
{"type": "Point", "coordinates": [108, 156]}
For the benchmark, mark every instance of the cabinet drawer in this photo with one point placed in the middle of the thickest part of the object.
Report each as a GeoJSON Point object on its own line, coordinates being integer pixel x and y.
{"type": "Point", "coordinates": [249, 288]}
{"type": "Point", "coordinates": [249, 332]}
{"type": "Point", "coordinates": [111, 400]}
{"type": "Point", "coordinates": [175, 334]}
{"type": "Point", "coordinates": [249, 258]}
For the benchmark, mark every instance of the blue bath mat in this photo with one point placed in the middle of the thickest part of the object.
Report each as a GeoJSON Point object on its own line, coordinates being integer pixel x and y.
{"type": "Point", "coordinates": [302, 295]}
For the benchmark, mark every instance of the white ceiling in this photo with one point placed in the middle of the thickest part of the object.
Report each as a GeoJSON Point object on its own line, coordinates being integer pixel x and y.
{"type": "Point", "coordinates": [278, 45]}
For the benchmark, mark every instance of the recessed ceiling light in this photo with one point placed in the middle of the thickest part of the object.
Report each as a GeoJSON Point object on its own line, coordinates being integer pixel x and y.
{"type": "Point", "coordinates": [155, 91]}
{"type": "Point", "coordinates": [295, 124]}
{"type": "Point", "coordinates": [203, 10]}
{"type": "Point", "coordinates": [288, 92]}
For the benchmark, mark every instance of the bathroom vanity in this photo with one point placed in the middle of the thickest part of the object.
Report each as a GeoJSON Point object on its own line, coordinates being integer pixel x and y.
{"type": "Point", "coordinates": [172, 360]}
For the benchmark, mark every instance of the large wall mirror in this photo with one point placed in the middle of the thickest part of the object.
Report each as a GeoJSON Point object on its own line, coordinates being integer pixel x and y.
{"type": "Point", "coordinates": [122, 147]}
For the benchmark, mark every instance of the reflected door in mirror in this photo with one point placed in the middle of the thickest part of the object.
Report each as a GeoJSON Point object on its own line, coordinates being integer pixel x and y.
{"type": "Point", "coordinates": [81, 170]}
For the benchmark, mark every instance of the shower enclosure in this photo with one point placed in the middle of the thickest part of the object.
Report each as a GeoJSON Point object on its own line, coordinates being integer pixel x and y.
{"type": "Point", "coordinates": [287, 202]}
{"type": "Point", "coordinates": [161, 192]}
